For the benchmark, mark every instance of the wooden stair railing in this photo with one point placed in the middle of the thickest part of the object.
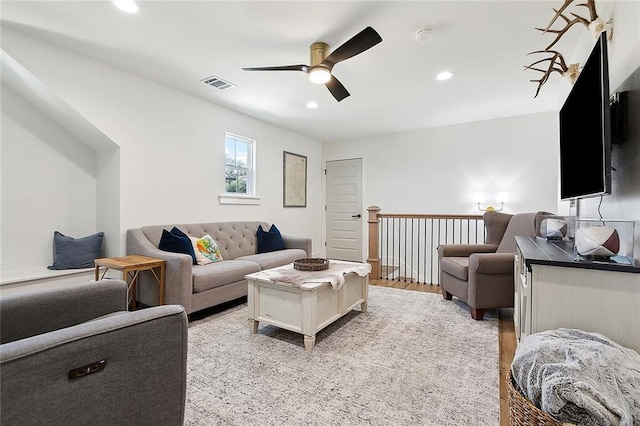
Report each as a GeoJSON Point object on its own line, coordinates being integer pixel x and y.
{"type": "Point", "coordinates": [403, 247]}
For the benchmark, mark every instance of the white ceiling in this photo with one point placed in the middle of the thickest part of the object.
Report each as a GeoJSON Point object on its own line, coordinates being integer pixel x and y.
{"type": "Point", "coordinates": [392, 85]}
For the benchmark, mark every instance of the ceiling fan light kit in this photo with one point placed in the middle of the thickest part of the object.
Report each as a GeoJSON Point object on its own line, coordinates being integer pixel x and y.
{"type": "Point", "coordinates": [319, 75]}
{"type": "Point", "coordinates": [322, 62]}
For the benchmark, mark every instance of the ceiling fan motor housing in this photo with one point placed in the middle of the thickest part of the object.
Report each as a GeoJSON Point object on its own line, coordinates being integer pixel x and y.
{"type": "Point", "coordinates": [319, 51]}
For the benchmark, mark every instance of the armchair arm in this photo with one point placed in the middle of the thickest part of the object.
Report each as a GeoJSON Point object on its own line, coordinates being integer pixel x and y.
{"type": "Point", "coordinates": [464, 250]}
{"type": "Point", "coordinates": [28, 314]}
{"type": "Point", "coordinates": [178, 278]}
{"type": "Point", "coordinates": [143, 380]}
{"type": "Point", "coordinates": [491, 263]}
{"type": "Point", "coordinates": [302, 243]}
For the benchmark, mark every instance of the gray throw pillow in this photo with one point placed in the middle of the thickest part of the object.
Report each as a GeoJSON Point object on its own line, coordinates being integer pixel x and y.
{"type": "Point", "coordinates": [75, 253]}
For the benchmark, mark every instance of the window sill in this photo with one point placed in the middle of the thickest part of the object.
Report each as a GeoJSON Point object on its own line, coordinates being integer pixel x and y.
{"type": "Point", "coordinates": [239, 199]}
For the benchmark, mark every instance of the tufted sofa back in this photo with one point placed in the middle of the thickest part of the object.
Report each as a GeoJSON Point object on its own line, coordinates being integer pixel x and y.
{"type": "Point", "coordinates": [234, 239]}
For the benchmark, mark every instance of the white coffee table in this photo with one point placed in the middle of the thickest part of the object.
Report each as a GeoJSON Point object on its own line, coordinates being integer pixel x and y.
{"type": "Point", "coordinates": [305, 307]}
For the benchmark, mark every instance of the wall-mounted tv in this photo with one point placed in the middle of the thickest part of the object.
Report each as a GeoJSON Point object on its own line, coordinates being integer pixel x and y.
{"type": "Point", "coordinates": [585, 130]}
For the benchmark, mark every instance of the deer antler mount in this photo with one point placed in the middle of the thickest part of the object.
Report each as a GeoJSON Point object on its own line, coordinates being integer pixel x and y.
{"type": "Point", "coordinates": [556, 62]}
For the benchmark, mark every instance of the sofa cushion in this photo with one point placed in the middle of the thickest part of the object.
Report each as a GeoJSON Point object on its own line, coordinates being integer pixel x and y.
{"type": "Point", "coordinates": [73, 253]}
{"type": "Point", "coordinates": [200, 259]}
{"type": "Point", "coordinates": [176, 243]}
{"type": "Point", "coordinates": [209, 248]}
{"type": "Point", "coordinates": [275, 258]}
{"type": "Point", "coordinates": [206, 277]}
{"type": "Point", "coordinates": [270, 240]}
{"type": "Point", "coordinates": [206, 249]}
{"type": "Point", "coordinates": [456, 266]}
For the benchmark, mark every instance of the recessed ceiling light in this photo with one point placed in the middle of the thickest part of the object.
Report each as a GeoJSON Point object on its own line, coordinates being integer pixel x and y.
{"type": "Point", "coordinates": [128, 6]}
{"type": "Point", "coordinates": [312, 105]}
{"type": "Point", "coordinates": [444, 75]}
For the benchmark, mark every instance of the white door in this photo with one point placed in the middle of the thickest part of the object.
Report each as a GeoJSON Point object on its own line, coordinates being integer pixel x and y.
{"type": "Point", "coordinates": [344, 210]}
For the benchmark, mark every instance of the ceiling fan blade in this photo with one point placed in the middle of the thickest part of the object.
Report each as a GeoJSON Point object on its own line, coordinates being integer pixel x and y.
{"type": "Point", "coordinates": [304, 68]}
{"type": "Point", "coordinates": [360, 42]}
{"type": "Point", "coordinates": [337, 89]}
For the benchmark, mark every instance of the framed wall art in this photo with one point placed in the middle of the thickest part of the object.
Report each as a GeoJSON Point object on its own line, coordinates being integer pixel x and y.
{"type": "Point", "coordinates": [295, 180]}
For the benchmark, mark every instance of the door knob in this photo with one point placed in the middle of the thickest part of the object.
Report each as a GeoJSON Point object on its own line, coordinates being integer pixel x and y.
{"type": "Point", "coordinates": [357, 215]}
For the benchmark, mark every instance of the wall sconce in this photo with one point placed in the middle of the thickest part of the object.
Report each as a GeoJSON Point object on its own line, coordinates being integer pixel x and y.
{"type": "Point", "coordinates": [480, 197]}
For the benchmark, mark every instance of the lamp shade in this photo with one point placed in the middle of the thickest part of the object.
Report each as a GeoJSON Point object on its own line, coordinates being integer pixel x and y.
{"type": "Point", "coordinates": [479, 197]}
{"type": "Point", "coordinates": [503, 197]}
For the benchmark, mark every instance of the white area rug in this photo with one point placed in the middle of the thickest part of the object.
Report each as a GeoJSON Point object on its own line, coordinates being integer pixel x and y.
{"type": "Point", "coordinates": [412, 359]}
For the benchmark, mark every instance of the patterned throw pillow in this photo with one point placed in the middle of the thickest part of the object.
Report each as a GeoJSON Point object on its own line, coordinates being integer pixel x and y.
{"type": "Point", "coordinates": [206, 249]}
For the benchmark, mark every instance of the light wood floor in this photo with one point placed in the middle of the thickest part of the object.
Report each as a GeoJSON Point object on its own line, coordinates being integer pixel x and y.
{"type": "Point", "coordinates": [506, 339]}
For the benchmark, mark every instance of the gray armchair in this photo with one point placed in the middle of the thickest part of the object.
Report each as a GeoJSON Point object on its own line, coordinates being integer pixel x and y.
{"type": "Point", "coordinates": [481, 275]}
{"type": "Point", "coordinates": [73, 355]}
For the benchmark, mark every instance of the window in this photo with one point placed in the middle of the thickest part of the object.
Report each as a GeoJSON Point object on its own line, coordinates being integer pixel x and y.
{"type": "Point", "coordinates": [239, 172]}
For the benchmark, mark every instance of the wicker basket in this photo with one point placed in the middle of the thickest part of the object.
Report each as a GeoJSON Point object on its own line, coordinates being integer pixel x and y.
{"type": "Point", "coordinates": [311, 264]}
{"type": "Point", "coordinates": [522, 411]}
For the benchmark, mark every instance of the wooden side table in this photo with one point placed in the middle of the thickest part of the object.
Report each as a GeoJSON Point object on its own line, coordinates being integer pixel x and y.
{"type": "Point", "coordinates": [131, 266]}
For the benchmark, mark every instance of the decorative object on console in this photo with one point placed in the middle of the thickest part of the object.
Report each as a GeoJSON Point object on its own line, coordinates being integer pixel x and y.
{"type": "Point", "coordinates": [605, 240]}
{"type": "Point", "coordinates": [75, 253]}
{"type": "Point", "coordinates": [553, 228]}
{"type": "Point", "coordinates": [597, 242]}
{"type": "Point", "coordinates": [555, 60]}
{"type": "Point", "coordinates": [556, 227]}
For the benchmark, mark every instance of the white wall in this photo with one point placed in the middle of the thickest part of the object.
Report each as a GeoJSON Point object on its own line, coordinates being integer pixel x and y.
{"type": "Point", "coordinates": [437, 170]}
{"type": "Point", "coordinates": [48, 184]}
{"type": "Point", "coordinates": [172, 144]}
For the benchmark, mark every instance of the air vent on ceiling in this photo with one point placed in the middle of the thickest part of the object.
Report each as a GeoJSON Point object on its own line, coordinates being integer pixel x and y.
{"type": "Point", "coordinates": [218, 83]}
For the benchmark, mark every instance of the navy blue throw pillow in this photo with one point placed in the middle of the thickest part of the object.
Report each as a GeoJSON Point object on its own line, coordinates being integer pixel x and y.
{"type": "Point", "coordinates": [177, 241]}
{"type": "Point", "coordinates": [75, 253]}
{"type": "Point", "coordinates": [269, 240]}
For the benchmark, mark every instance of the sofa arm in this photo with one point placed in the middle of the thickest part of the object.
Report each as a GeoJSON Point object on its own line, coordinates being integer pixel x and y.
{"type": "Point", "coordinates": [143, 380]}
{"type": "Point", "coordinates": [178, 272]}
{"type": "Point", "coordinates": [464, 250]}
{"type": "Point", "coordinates": [491, 263]}
{"type": "Point", "coordinates": [302, 243]}
{"type": "Point", "coordinates": [28, 314]}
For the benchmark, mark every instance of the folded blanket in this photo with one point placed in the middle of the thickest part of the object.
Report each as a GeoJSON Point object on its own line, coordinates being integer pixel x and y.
{"type": "Point", "coordinates": [579, 377]}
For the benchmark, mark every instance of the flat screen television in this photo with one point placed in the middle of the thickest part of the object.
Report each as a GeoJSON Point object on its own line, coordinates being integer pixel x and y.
{"type": "Point", "coordinates": [585, 130]}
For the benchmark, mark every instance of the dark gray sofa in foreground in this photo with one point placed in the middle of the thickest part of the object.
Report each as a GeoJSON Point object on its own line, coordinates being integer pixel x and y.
{"type": "Point", "coordinates": [74, 356]}
{"type": "Point", "coordinates": [197, 287]}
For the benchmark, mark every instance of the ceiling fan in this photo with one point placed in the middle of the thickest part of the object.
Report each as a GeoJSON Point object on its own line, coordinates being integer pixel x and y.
{"type": "Point", "coordinates": [322, 62]}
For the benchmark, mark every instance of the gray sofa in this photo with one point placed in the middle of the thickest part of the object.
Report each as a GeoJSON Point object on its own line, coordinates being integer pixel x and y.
{"type": "Point", "coordinates": [197, 287]}
{"type": "Point", "coordinates": [137, 361]}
